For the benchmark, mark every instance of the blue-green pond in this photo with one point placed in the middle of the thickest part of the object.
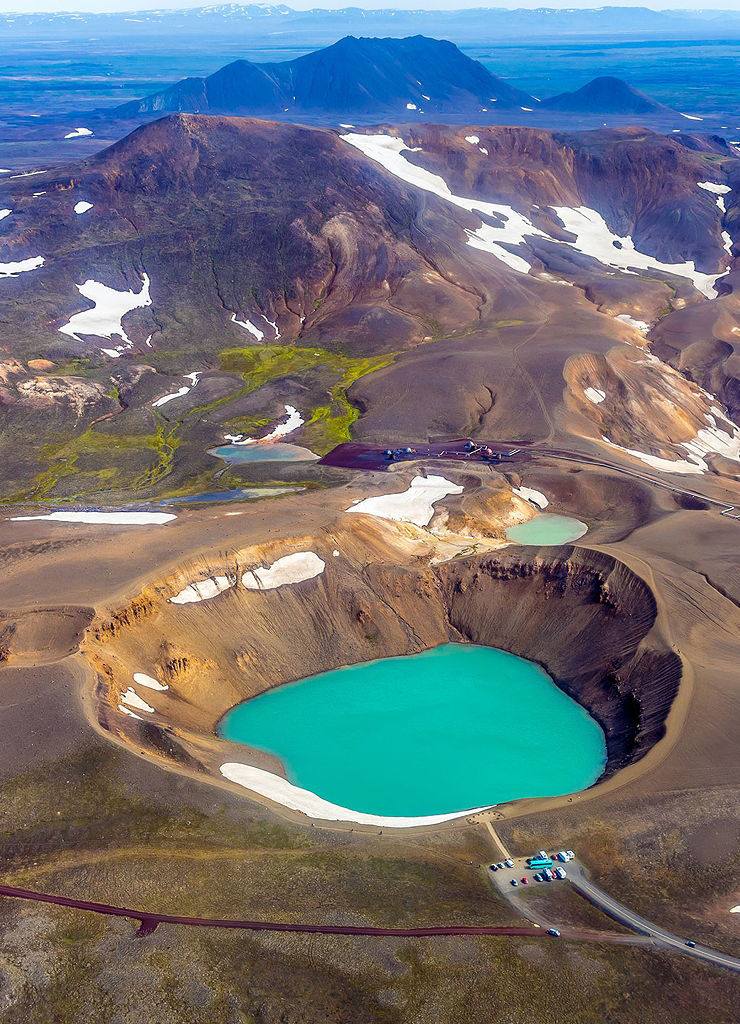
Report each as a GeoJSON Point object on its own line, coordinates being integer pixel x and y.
{"type": "Point", "coordinates": [275, 451]}
{"type": "Point", "coordinates": [546, 529]}
{"type": "Point", "coordinates": [456, 727]}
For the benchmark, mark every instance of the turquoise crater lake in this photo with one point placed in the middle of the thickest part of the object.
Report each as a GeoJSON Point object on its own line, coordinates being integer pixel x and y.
{"type": "Point", "coordinates": [452, 728]}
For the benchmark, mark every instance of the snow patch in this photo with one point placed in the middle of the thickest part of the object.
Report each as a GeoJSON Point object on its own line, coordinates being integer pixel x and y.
{"type": "Point", "coordinates": [82, 207]}
{"type": "Point", "coordinates": [104, 319]}
{"type": "Point", "coordinates": [295, 568]}
{"type": "Point", "coordinates": [293, 422]}
{"type": "Point", "coordinates": [414, 505]}
{"type": "Point", "coordinates": [180, 393]}
{"type": "Point", "coordinates": [691, 117]}
{"type": "Point", "coordinates": [274, 326]}
{"type": "Point", "coordinates": [248, 326]}
{"type": "Point", "coordinates": [78, 133]}
{"type": "Point", "coordinates": [472, 139]}
{"type": "Point", "coordinates": [104, 518]}
{"type": "Point", "coordinates": [593, 238]}
{"type": "Point", "coordinates": [153, 684]}
{"type": "Point", "coordinates": [13, 269]}
{"type": "Point", "coordinates": [133, 700]}
{"type": "Point", "coordinates": [131, 714]}
{"type": "Point", "coordinates": [594, 395]}
{"type": "Point", "coordinates": [714, 186]}
{"type": "Point", "coordinates": [4, 214]}
{"type": "Point", "coordinates": [387, 151]}
{"type": "Point", "coordinates": [411, 106]}
{"type": "Point", "coordinates": [202, 590]}
{"type": "Point", "coordinates": [639, 325]}
{"type": "Point", "coordinates": [279, 790]}
{"type": "Point", "coordinates": [529, 494]}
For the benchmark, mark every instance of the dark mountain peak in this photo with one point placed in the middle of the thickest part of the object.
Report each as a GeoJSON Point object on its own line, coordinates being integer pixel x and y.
{"type": "Point", "coordinates": [606, 95]}
{"type": "Point", "coordinates": [356, 74]}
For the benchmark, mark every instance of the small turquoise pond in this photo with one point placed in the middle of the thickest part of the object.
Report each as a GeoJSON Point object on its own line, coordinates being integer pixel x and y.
{"type": "Point", "coordinates": [455, 727]}
{"type": "Point", "coordinates": [275, 451]}
{"type": "Point", "coordinates": [547, 529]}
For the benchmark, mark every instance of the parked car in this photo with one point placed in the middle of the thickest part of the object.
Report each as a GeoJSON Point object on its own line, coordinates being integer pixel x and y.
{"type": "Point", "coordinates": [494, 867]}
{"type": "Point", "coordinates": [538, 877]}
{"type": "Point", "coordinates": [553, 931]}
{"type": "Point", "coordinates": [570, 853]}
{"type": "Point", "coordinates": [500, 865]}
{"type": "Point", "coordinates": [525, 881]}
{"type": "Point", "coordinates": [514, 881]}
{"type": "Point", "coordinates": [509, 862]}
{"type": "Point", "coordinates": [560, 872]}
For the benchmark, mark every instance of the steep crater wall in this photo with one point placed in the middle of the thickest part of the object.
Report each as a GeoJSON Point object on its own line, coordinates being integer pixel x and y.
{"type": "Point", "coordinates": [585, 617]}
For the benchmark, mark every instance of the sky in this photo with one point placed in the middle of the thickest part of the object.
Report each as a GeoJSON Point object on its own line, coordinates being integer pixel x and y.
{"type": "Point", "coordinates": [30, 6]}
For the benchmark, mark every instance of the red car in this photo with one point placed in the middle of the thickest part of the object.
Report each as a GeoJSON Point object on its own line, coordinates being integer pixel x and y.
{"type": "Point", "coordinates": [525, 881]}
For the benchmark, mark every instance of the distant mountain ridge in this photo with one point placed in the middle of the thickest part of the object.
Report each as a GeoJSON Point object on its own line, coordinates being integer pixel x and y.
{"type": "Point", "coordinates": [606, 95]}
{"type": "Point", "coordinates": [351, 76]}
{"type": "Point", "coordinates": [319, 26]}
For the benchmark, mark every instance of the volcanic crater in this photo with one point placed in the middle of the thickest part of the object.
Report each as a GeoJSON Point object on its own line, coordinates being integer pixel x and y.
{"type": "Point", "coordinates": [590, 621]}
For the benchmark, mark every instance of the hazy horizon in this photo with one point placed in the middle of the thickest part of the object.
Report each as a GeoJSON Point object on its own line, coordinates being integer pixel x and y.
{"type": "Point", "coordinates": [96, 6]}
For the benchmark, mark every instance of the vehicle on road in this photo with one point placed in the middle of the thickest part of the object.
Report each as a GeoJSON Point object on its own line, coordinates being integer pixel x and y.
{"type": "Point", "coordinates": [691, 943]}
{"type": "Point", "coordinates": [553, 931]}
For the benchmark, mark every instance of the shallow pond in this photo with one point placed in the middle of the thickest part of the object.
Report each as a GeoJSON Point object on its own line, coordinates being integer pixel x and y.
{"type": "Point", "coordinates": [547, 529]}
{"type": "Point", "coordinates": [275, 451]}
{"type": "Point", "coordinates": [456, 727]}
{"type": "Point", "coordinates": [238, 494]}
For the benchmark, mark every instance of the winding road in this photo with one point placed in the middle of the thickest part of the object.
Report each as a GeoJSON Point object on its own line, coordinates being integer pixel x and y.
{"type": "Point", "coordinates": [354, 455]}
{"type": "Point", "coordinates": [648, 934]}
{"type": "Point", "coordinates": [639, 924]}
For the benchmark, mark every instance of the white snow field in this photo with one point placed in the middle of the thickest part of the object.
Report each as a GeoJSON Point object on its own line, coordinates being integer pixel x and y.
{"type": "Point", "coordinates": [103, 518]}
{"type": "Point", "coordinates": [279, 790]}
{"type": "Point", "coordinates": [530, 494]}
{"type": "Point", "coordinates": [414, 505]}
{"type": "Point", "coordinates": [133, 700]}
{"type": "Point", "coordinates": [153, 684]}
{"type": "Point", "coordinates": [104, 319]}
{"type": "Point", "coordinates": [203, 590]}
{"type": "Point", "coordinates": [640, 325]}
{"type": "Point", "coordinates": [13, 269]}
{"type": "Point", "coordinates": [248, 326]}
{"type": "Point", "coordinates": [593, 235]}
{"type": "Point", "coordinates": [293, 422]}
{"type": "Point", "coordinates": [295, 568]}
